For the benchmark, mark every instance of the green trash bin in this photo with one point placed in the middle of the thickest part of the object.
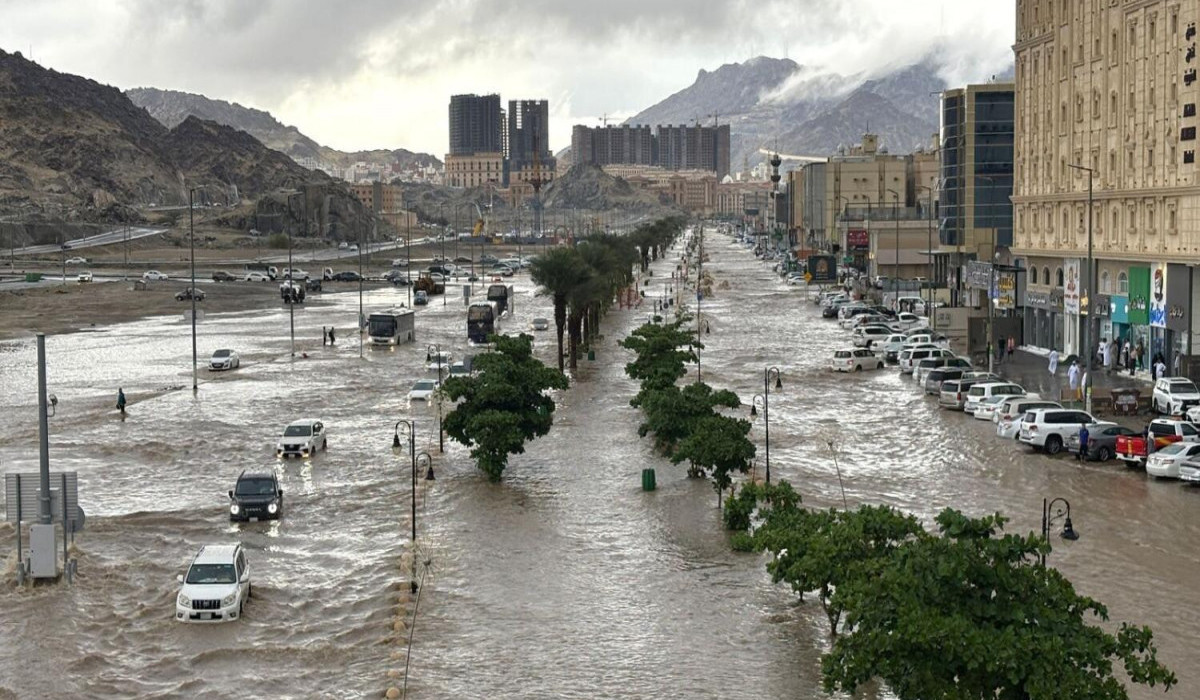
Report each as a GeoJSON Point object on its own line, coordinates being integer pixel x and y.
{"type": "Point", "coordinates": [648, 483]}
{"type": "Point", "coordinates": [33, 277]}
{"type": "Point", "coordinates": [591, 355]}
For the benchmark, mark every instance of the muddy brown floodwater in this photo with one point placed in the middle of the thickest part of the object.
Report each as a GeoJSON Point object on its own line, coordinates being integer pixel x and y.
{"type": "Point", "coordinates": [565, 580]}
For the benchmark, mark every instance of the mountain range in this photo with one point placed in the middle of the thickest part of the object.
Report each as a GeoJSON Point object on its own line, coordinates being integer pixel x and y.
{"type": "Point", "coordinates": [73, 149]}
{"type": "Point", "coordinates": [777, 104]}
{"type": "Point", "coordinates": [171, 107]}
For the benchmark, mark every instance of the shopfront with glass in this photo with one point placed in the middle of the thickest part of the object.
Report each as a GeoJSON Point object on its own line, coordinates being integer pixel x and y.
{"type": "Point", "coordinates": [1044, 319]}
{"type": "Point", "coordinates": [1139, 311]}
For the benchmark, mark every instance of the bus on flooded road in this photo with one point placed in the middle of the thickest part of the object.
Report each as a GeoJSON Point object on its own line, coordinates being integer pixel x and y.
{"type": "Point", "coordinates": [483, 319]}
{"type": "Point", "coordinates": [391, 327]}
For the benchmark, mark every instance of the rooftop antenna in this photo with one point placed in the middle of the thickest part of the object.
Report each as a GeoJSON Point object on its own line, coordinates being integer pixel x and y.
{"type": "Point", "coordinates": [604, 119]}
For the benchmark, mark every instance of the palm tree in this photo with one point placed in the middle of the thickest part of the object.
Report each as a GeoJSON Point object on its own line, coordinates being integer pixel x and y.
{"type": "Point", "coordinates": [558, 272]}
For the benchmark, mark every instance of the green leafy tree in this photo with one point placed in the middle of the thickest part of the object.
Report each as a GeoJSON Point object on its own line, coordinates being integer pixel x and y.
{"type": "Point", "coordinates": [970, 614]}
{"type": "Point", "coordinates": [504, 404]}
{"type": "Point", "coordinates": [662, 351]}
{"type": "Point", "coordinates": [717, 446]}
{"type": "Point", "coordinates": [672, 414]}
{"type": "Point", "coordinates": [822, 550]}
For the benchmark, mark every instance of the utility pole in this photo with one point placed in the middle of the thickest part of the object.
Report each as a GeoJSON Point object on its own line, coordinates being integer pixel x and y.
{"type": "Point", "coordinates": [192, 292]}
{"type": "Point", "coordinates": [1091, 297]}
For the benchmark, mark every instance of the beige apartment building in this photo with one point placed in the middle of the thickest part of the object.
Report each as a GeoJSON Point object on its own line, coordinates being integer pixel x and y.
{"type": "Point", "coordinates": [1111, 87]}
{"type": "Point", "coordinates": [475, 169]}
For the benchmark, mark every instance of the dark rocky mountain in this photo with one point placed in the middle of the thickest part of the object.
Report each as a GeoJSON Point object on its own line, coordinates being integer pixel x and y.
{"type": "Point", "coordinates": [171, 107]}
{"type": "Point", "coordinates": [777, 104]}
{"type": "Point", "coordinates": [74, 149]}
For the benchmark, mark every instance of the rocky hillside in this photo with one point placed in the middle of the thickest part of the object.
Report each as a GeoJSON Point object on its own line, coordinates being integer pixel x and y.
{"type": "Point", "coordinates": [586, 186]}
{"type": "Point", "coordinates": [773, 103]}
{"type": "Point", "coordinates": [172, 107]}
{"type": "Point", "coordinates": [76, 150]}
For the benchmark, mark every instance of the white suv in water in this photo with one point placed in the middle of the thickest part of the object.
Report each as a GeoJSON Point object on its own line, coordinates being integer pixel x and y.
{"type": "Point", "coordinates": [216, 586]}
{"type": "Point", "coordinates": [302, 438]}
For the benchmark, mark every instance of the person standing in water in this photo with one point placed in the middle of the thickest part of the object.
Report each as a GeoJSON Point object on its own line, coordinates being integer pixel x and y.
{"type": "Point", "coordinates": [121, 400]}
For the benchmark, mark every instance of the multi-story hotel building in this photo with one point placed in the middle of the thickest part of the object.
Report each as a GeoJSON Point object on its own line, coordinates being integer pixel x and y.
{"type": "Point", "coordinates": [1106, 93]}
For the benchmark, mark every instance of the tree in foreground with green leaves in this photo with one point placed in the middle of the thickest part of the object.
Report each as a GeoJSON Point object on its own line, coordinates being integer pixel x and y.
{"type": "Point", "coordinates": [672, 414]}
{"type": "Point", "coordinates": [970, 613]}
{"type": "Point", "coordinates": [717, 446]}
{"type": "Point", "coordinates": [966, 612]}
{"type": "Point", "coordinates": [662, 352]}
{"type": "Point", "coordinates": [504, 403]}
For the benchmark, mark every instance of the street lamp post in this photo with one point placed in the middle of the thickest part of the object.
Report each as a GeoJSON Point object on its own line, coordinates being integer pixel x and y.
{"type": "Point", "coordinates": [929, 279]}
{"type": "Point", "coordinates": [192, 291]}
{"type": "Point", "coordinates": [896, 260]}
{"type": "Point", "coordinates": [766, 402]}
{"type": "Point", "coordinates": [290, 276]}
{"type": "Point", "coordinates": [1091, 296]}
{"type": "Point", "coordinates": [701, 323]}
{"type": "Point", "coordinates": [415, 460]}
{"type": "Point", "coordinates": [1061, 508]}
{"type": "Point", "coordinates": [430, 351]}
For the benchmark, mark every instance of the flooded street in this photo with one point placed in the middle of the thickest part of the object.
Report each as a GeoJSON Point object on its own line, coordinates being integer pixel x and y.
{"type": "Point", "coordinates": [565, 580]}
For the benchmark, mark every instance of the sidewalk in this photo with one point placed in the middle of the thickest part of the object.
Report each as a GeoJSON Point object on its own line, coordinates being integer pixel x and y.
{"type": "Point", "coordinates": [1030, 369]}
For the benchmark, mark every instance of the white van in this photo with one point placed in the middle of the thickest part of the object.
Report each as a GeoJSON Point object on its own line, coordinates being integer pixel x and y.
{"type": "Point", "coordinates": [979, 392]}
{"type": "Point", "coordinates": [910, 358]}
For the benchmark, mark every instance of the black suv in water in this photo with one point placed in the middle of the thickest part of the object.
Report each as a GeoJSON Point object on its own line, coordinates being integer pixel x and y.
{"type": "Point", "coordinates": [256, 496]}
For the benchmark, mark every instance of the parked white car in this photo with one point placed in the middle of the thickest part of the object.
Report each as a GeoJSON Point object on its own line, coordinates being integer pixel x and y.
{"type": "Point", "coordinates": [422, 390]}
{"type": "Point", "coordinates": [1008, 416]}
{"type": "Point", "coordinates": [256, 277]}
{"type": "Point", "coordinates": [1048, 428]}
{"type": "Point", "coordinates": [1189, 471]}
{"type": "Point", "coordinates": [85, 276]}
{"type": "Point", "coordinates": [153, 276]}
{"type": "Point", "coordinates": [438, 360]}
{"type": "Point", "coordinates": [1165, 462]}
{"type": "Point", "coordinates": [224, 359]}
{"type": "Point", "coordinates": [302, 438]}
{"type": "Point", "coordinates": [1174, 396]}
{"type": "Point", "coordinates": [216, 585]}
{"type": "Point", "coordinates": [891, 346]}
{"type": "Point", "coordinates": [75, 261]}
{"type": "Point", "coordinates": [854, 360]}
{"type": "Point", "coordinates": [540, 324]}
{"type": "Point", "coordinates": [867, 336]}
{"type": "Point", "coordinates": [294, 273]}
{"type": "Point", "coordinates": [978, 393]}
{"type": "Point", "coordinates": [988, 408]}
{"type": "Point", "coordinates": [905, 319]}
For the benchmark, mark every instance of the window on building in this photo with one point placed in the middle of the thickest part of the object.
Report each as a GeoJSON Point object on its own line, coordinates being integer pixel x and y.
{"type": "Point", "coordinates": [1132, 34]}
{"type": "Point", "coordinates": [1151, 95]}
{"type": "Point", "coordinates": [1112, 163]}
{"type": "Point", "coordinates": [1174, 23]}
{"type": "Point", "coordinates": [1150, 220]}
{"type": "Point", "coordinates": [1058, 277]}
{"type": "Point", "coordinates": [1153, 24]}
{"type": "Point", "coordinates": [1170, 219]}
{"type": "Point", "coordinates": [1046, 276]}
{"type": "Point", "coordinates": [1150, 158]}
{"type": "Point", "coordinates": [1188, 133]}
{"type": "Point", "coordinates": [1112, 109]}
{"type": "Point", "coordinates": [1189, 109]}
{"type": "Point", "coordinates": [1122, 283]}
{"type": "Point", "coordinates": [1189, 156]}
{"type": "Point", "coordinates": [1174, 91]}
{"type": "Point", "coordinates": [1105, 283]}
{"type": "Point", "coordinates": [1116, 220]}
{"type": "Point", "coordinates": [1095, 104]}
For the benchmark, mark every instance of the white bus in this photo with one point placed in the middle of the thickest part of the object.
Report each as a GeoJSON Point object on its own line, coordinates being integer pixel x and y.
{"type": "Point", "coordinates": [391, 327]}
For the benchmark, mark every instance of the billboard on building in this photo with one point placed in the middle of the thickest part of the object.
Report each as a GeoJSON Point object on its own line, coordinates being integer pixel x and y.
{"type": "Point", "coordinates": [1006, 291]}
{"type": "Point", "coordinates": [1071, 287]}
{"type": "Point", "coordinates": [823, 268]}
{"type": "Point", "coordinates": [979, 275]}
{"type": "Point", "coordinates": [1139, 296]}
{"type": "Point", "coordinates": [858, 239]}
{"type": "Point", "coordinates": [1158, 296]}
{"type": "Point", "coordinates": [1178, 294]}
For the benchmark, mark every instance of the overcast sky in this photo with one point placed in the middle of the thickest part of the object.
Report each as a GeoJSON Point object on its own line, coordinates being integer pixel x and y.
{"type": "Point", "coordinates": [379, 73]}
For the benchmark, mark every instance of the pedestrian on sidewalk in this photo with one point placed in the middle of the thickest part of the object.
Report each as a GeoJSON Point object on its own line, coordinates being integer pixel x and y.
{"type": "Point", "coordinates": [1083, 443]}
{"type": "Point", "coordinates": [1053, 361]}
{"type": "Point", "coordinates": [1125, 350]}
{"type": "Point", "coordinates": [1012, 345]}
{"type": "Point", "coordinates": [1073, 379]}
{"type": "Point", "coordinates": [1140, 357]}
{"type": "Point", "coordinates": [1103, 344]}
{"type": "Point", "coordinates": [1105, 355]}
{"type": "Point", "coordinates": [1160, 369]}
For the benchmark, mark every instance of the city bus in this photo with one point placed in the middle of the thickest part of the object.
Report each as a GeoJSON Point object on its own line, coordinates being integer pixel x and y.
{"type": "Point", "coordinates": [483, 319]}
{"type": "Point", "coordinates": [391, 327]}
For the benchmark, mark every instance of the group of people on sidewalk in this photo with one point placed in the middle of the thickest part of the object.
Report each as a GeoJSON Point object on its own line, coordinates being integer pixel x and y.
{"type": "Point", "coordinates": [1115, 357]}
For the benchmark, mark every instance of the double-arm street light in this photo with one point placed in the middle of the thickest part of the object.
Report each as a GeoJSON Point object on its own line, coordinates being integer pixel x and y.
{"type": "Point", "coordinates": [435, 350]}
{"type": "Point", "coordinates": [766, 404]}
{"type": "Point", "coordinates": [415, 460]}
{"type": "Point", "coordinates": [1091, 294]}
{"type": "Point", "coordinates": [1051, 512]}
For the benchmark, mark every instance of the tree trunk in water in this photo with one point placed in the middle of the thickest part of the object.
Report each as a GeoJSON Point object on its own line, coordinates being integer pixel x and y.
{"type": "Point", "coordinates": [560, 324]}
{"type": "Point", "coordinates": [574, 320]}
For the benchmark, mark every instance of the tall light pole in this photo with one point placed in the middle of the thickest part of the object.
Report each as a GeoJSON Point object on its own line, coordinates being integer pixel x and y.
{"type": "Point", "coordinates": [410, 434]}
{"type": "Point", "coordinates": [1091, 296]}
{"type": "Point", "coordinates": [701, 324]}
{"type": "Point", "coordinates": [766, 401]}
{"type": "Point", "coordinates": [430, 350]}
{"type": "Point", "coordinates": [192, 292]}
{"type": "Point", "coordinates": [991, 303]}
{"type": "Point", "coordinates": [1061, 507]}
{"type": "Point", "coordinates": [291, 277]}
{"type": "Point", "coordinates": [929, 280]}
{"type": "Point", "coordinates": [896, 260]}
